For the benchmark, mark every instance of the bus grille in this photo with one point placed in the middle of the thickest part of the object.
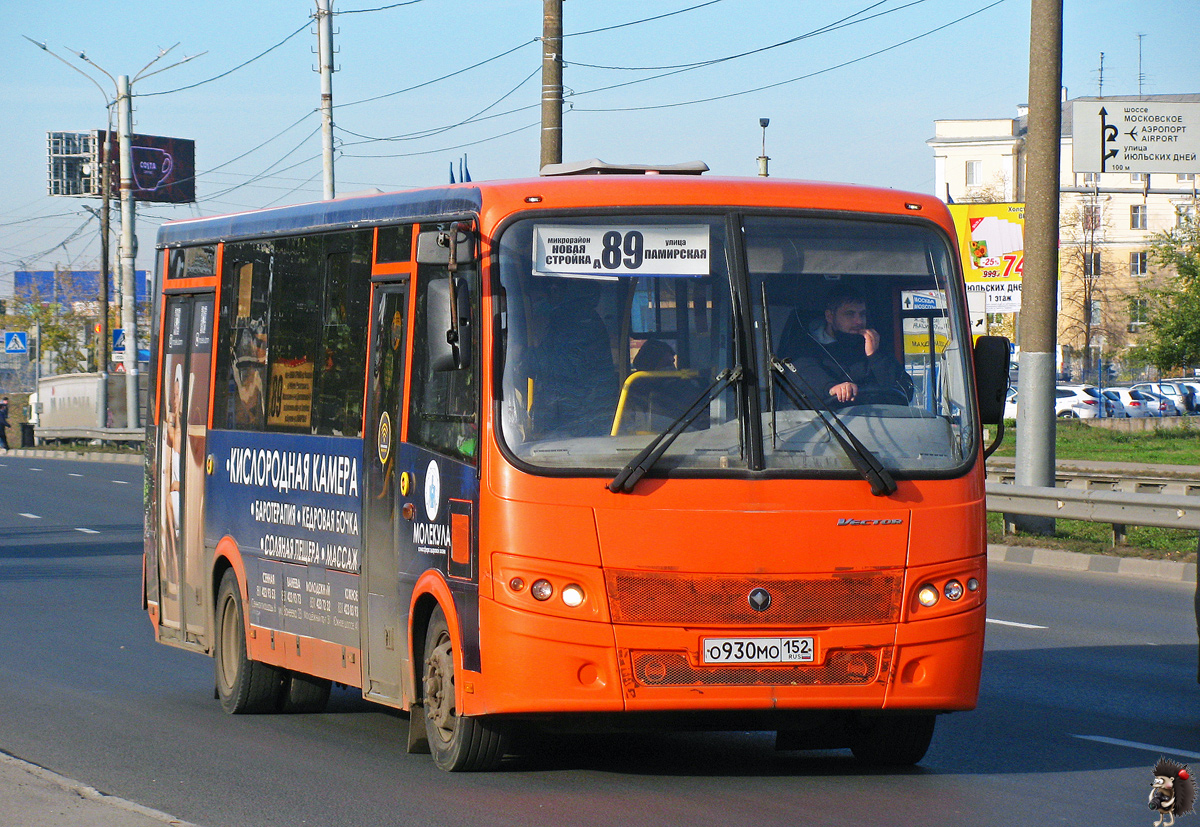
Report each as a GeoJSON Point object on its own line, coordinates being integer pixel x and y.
{"type": "Point", "coordinates": [668, 598]}
{"type": "Point", "coordinates": [844, 667]}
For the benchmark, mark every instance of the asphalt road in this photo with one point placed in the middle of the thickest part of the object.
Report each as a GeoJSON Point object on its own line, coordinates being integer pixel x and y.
{"type": "Point", "coordinates": [1087, 679]}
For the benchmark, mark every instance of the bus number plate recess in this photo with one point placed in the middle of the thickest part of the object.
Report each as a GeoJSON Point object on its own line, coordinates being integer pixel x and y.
{"type": "Point", "coordinates": [758, 650]}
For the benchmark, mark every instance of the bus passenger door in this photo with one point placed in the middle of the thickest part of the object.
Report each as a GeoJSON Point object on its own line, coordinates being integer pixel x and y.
{"type": "Point", "coordinates": [383, 621]}
{"type": "Point", "coordinates": [184, 388]}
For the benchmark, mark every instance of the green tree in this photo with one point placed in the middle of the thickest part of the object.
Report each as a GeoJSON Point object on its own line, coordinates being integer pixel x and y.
{"type": "Point", "coordinates": [1173, 339]}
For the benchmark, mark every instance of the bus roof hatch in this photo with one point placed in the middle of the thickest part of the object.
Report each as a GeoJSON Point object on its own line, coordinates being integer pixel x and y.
{"type": "Point", "coordinates": [595, 166]}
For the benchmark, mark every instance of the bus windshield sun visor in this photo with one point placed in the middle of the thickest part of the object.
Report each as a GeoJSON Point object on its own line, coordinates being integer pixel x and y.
{"type": "Point", "coordinates": [865, 462]}
{"type": "Point", "coordinates": [625, 481]}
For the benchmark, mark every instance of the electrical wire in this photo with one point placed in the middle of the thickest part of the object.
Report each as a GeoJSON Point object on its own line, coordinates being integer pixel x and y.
{"type": "Point", "coordinates": [645, 20]}
{"type": "Point", "coordinates": [437, 80]}
{"type": "Point", "coordinates": [772, 85]}
{"type": "Point", "coordinates": [381, 8]}
{"type": "Point", "coordinates": [448, 148]}
{"type": "Point", "coordinates": [845, 22]}
{"type": "Point", "coordinates": [230, 72]}
{"type": "Point", "coordinates": [427, 133]}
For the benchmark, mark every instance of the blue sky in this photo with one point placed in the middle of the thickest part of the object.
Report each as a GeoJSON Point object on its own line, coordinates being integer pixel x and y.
{"type": "Point", "coordinates": [847, 114]}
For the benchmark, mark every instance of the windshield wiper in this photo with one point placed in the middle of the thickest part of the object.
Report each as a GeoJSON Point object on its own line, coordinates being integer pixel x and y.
{"type": "Point", "coordinates": [865, 462]}
{"type": "Point", "coordinates": [624, 482]}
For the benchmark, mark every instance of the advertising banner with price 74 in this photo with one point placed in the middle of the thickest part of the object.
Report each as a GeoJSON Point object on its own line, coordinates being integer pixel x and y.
{"type": "Point", "coordinates": [991, 241]}
{"type": "Point", "coordinates": [611, 251]}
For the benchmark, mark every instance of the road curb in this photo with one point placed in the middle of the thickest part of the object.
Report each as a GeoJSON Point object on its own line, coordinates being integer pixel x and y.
{"type": "Point", "coordinates": [1104, 563]}
{"type": "Point", "coordinates": [12, 767]}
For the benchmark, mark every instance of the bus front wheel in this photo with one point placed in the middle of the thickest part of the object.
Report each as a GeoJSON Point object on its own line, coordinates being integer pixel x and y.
{"type": "Point", "coordinates": [896, 740]}
{"type": "Point", "coordinates": [243, 685]}
{"type": "Point", "coordinates": [457, 743]}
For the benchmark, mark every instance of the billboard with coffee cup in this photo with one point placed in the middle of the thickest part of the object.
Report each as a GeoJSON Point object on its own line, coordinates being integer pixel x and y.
{"type": "Point", "coordinates": [164, 169]}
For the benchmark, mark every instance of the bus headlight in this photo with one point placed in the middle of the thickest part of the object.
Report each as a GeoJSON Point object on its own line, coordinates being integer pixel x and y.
{"type": "Point", "coordinates": [541, 590]}
{"type": "Point", "coordinates": [928, 595]}
{"type": "Point", "coordinates": [954, 590]}
{"type": "Point", "coordinates": [572, 595]}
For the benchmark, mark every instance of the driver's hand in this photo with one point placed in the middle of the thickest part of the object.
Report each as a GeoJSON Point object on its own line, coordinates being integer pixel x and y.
{"type": "Point", "coordinates": [872, 340]}
{"type": "Point", "coordinates": [844, 392]}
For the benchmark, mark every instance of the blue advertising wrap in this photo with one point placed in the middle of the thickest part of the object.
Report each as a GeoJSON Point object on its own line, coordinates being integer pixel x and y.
{"type": "Point", "coordinates": [293, 505]}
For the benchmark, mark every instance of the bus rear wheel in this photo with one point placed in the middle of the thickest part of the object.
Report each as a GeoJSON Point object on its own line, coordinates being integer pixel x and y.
{"type": "Point", "coordinates": [243, 686]}
{"type": "Point", "coordinates": [305, 693]}
{"type": "Point", "coordinates": [895, 740]}
{"type": "Point", "coordinates": [457, 743]}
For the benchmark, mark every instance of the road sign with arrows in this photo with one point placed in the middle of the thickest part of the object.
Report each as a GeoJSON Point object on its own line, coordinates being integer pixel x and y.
{"type": "Point", "coordinates": [1131, 135]}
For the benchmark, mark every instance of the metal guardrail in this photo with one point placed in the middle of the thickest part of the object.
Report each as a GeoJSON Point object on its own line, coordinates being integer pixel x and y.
{"type": "Point", "coordinates": [106, 434]}
{"type": "Point", "coordinates": [1120, 508]}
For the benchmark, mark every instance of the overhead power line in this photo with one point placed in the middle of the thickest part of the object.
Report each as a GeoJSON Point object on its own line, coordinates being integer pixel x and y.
{"type": "Point", "coordinates": [826, 70]}
{"type": "Point", "coordinates": [643, 20]}
{"type": "Point", "coordinates": [231, 71]}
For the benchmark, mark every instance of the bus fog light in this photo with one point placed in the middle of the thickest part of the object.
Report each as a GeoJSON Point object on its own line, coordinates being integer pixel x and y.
{"type": "Point", "coordinates": [972, 585]}
{"type": "Point", "coordinates": [572, 595]}
{"type": "Point", "coordinates": [928, 595]}
{"type": "Point", "coordinates": [954, 590]}
{"type": "Point", "coordinates": [541, 590]}
{"type": "Point", "coordinates": [516, 584]}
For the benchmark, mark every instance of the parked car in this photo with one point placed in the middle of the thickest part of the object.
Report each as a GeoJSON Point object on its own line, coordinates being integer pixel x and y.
{"type": "Point", "coordinates": [1076, 402]}
{"type": "Point", "coordinates": [1135, 403]}
{"type": "Point", "coordinates": [1166, 405]}
{"type": "Point", "coordinates": [1177, 392]}
{"type": "Point", "coordinates": [1114, 406]}
{"type": "Point", "coordinates": [1010, 404]}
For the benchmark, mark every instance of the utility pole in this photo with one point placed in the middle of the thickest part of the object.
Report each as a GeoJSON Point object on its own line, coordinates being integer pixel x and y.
{"type": "Point", "coordinates": [325, 55]}
{"type": "Point", "coordinates": [105, 226]}
{"type": "Point", "coordinates": [552, 82]}
{"type": "Point", "coordinates": [1035, 426]}
{"type": "Point", "coordinates": [128, 279]}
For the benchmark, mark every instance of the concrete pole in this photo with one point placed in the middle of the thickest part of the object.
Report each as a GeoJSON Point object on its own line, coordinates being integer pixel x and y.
{"type": "Point", "coordinates": [552, 82]}
{"type": "Point", "coordinates": [105, 226]}
{"type": "Point", "coordinates": [1035, 463]}
{"type": "Point", "coordinates": [325, 53]}
{"type": "Point", "coordinates": [128, 277]}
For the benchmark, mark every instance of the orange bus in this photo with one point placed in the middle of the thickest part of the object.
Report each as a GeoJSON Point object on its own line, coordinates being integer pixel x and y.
{"type": "Point", "coordinates": [602, 450]}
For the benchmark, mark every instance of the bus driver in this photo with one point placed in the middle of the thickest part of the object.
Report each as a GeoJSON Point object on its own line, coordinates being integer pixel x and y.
{"type": "Point", "coordinates": [840, 356]}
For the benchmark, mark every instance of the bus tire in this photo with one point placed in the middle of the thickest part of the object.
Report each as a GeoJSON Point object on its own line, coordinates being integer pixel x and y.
{"type": "Point", "coordinates": [457, 743]}
{"type": "Point", "coordinates": [305, 693]}
{"type": "Point", "coordinates": [895, 740]}
{"type": "Point", "coordinates": [244, 686]}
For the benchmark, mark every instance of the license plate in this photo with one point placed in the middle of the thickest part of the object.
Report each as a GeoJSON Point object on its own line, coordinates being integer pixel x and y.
{"type": "Point", "coordinates": [758, 650]}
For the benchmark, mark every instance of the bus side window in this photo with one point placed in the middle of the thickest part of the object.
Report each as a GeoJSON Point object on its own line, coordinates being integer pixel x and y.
{"type": "Point", "coordinates": [241, 387]}
{"type": "Point", "coordinates": [444, 404]}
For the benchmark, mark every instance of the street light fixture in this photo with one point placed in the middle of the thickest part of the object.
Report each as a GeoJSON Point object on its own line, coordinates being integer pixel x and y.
{"type": "Point", "coordinates": [763, 159]}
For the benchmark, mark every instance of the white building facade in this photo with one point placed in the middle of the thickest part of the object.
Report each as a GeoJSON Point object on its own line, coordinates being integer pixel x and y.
{"type": "Point", "coordinates": [1107, 221]}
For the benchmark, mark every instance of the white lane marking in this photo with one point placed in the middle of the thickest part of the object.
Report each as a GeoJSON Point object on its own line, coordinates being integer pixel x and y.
{"type": "Point", "coordinates": [1015, 624]}
{"type": "Point", "coordinates": [1117, 742]}
{"type": "Point", "coordinates": [35, 469]}
{"type": "Point", "coordinates": [120, 482]}
{"type": "Point", "coordinates": [74, 475]}
{"type": "Point", "coordinates": [30, 516]}
{"type": "Point", "coordinates": [88, 530]}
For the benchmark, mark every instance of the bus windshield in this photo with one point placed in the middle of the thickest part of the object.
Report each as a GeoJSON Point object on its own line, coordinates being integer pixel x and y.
{"type": "Point", "coordinates": [614, 326]}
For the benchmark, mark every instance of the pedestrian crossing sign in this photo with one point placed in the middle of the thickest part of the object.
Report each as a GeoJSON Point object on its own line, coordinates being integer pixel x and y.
{"type": "Point", "coordinates": [16, 342]}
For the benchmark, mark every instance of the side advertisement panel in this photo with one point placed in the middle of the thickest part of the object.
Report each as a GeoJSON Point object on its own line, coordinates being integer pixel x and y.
{"type": "Point", "coordinates": [293, 504]}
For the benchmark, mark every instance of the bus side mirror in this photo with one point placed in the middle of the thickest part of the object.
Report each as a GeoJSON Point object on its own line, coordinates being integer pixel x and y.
{"type": "Point", "coordinates": [448, 324]}
{"type": "Point", "coordinates": [991, 377]}
{"type": "Point", "coordinates": [434, 246]}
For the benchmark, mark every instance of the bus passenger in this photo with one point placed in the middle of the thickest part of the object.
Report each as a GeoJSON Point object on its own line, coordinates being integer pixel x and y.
{"type": "Point", "coordinates": [570, 361]}
{"type": "Point", "coordinates": [840, 356]}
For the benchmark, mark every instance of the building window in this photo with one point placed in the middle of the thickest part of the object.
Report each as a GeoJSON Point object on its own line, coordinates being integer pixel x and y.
{"type": "Point", "coordinates": [1186, 178]}
{"type": "Point", "coordinates": [1091, 179]}
{"type": "Point", "coordinates": [1090, 216]}
{"type": "Point", "coordinates": [1137, 264]}
{"type": "Point", "coordinates": [1139, 178]}
{"type": "Point", "coordinates": [1091, 264]}
{"type": "Point", "coordinates": [1137, 217]}
{"type": "Point", "coordinates": [974, 173]}
{"type": "Point", "coordinates": [1138, 312]}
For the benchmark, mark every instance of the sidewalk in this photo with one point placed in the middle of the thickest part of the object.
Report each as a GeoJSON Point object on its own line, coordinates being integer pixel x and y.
{"type": "Point", "coordinates": [34, 797]}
